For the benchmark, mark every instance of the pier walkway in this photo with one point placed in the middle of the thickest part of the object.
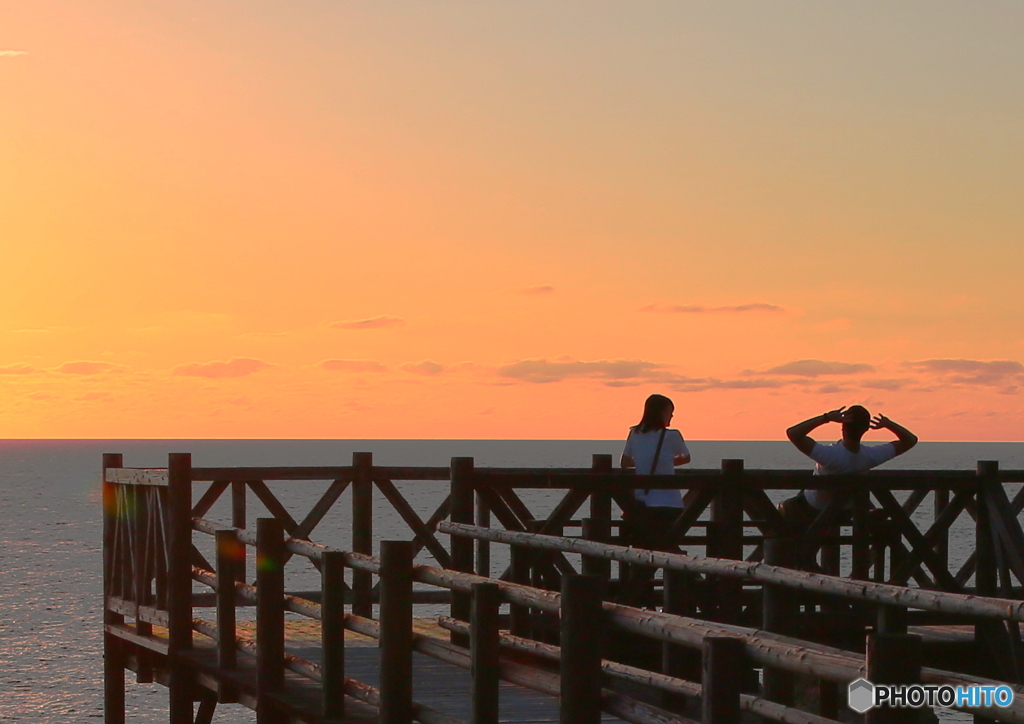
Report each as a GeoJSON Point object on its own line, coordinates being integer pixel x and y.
{"type": "Point", "coordinates": [542, 615]}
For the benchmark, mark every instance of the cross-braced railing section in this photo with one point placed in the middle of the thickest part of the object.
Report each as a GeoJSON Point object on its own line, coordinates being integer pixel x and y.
{"type": "Point", "coordinates": [875, 527]}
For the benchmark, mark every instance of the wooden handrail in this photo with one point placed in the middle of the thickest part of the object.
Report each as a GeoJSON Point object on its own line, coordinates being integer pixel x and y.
{"type": "Point", "coordinates": [941, 601]}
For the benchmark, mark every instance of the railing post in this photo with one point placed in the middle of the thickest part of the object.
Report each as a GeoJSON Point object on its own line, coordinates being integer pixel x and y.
{"type": "Point", "coordinates": [396, 632]}
{"type": "Point", "coordinates": [599, 530]}
{"type": "Point", "coordinates": [483, 652]}
{"type": "Point", "coordinates": [362, 531]}
{"type": "Point", "coordinates": [519, 572]}
{"type": "Point", "coordinates": [483, 547]}
{"type": "Point", "coordinates": [725, 536]}
{"type": "Point", "coordinates": [601, 502]}
{"type": "Point", "coordinates": [332, 633]}
{"type": "Point", "coordinates": [113, 651]}
{"type": "Point", "coordinates": [860, 567]}
{"type": "Point", "coordinates": [138, 585]}
{"type": "Point", "coordinates": [230, 552]}
{"type": "Point", "coordinates": [238, 520]}
{"type": "Point", "coordinates": [723, 671]}
{"type": "Point", "coordinates": [461, 547]}
{"type": "Point", "coordinates": [942, 543]}
{"type": "Point", "coordinates": [269, 617]}
{"type": "Point", "coordinates": [893, 659]}
{"type": "Point", "coordinates": [678, 661]}
{"type": "Point", "coordinates": [985, 573]}
{"type": "Point", "coordinates": [179, 585]}
{"type": "Point", "coordinates": [229, 549]}
{"type": "Point", "coordinates": [580, 640]}
{"type": "Point", "coordinates": [778, 609]}
{"type": "Point", "coordinates": [988, 635]}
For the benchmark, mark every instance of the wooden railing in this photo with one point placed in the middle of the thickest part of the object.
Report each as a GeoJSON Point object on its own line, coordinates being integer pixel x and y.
{"type": "Point", "coordinates": [151, 562]}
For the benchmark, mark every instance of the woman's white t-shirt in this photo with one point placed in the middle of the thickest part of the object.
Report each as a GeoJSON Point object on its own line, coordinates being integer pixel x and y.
{"type": "Point", "coordinates": [641, 446]}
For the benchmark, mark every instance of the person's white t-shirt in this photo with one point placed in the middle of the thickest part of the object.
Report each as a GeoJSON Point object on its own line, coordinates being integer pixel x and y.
{"type": "Point", "coordinates": [835, 459]}
{"type": "Point", "coordinates": [641, 446]}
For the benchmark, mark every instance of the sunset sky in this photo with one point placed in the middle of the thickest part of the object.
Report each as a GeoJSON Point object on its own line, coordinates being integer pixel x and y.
{"type": "Point", "coordinates": [333, 219]}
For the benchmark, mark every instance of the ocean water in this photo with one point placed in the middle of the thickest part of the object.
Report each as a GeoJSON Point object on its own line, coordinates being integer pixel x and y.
{"type": "Point", "coordinates": [50, 538]}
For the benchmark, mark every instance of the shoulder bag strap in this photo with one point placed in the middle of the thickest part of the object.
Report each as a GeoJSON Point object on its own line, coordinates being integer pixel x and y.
{"type": "Point", "coordinates": [654, 463]}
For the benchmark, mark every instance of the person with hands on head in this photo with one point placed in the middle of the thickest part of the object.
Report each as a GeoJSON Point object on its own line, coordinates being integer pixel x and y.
{"type": "Point", "coordinates": [848, 454]}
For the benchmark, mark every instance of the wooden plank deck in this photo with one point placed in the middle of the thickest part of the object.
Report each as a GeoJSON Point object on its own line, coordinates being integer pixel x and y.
{"type": "Point", "coordinates": [436, 684]}
{"type": "Point", "coordinates": [446, 688]}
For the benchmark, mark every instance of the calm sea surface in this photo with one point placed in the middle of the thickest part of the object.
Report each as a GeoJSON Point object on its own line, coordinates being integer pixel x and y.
{"type": "Point", "coordinates": [50, 617]}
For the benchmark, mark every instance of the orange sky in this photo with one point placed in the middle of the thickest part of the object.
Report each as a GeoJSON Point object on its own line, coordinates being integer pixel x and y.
{"type": "Point", "coordinates": [348, 220]}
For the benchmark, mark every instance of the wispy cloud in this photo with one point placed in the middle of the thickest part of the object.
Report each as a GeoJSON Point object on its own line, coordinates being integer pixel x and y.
{"type": "Point", "coordinates": [964, 366]}
{"type": "Point", "coordinates": [817, 367]}
{"type": "Point", "coordinates": [698, 309]}
{"type": "Point", "coordinates": [1007, 374]}
{"type": "Point", "coordinates": [424, 367]}
{"type": "Point", "coordinates": [381, 322]}
{"type": "Point", "coordinates": [85, 367]}
{"type": "Point", "coordinates": [757, 383]}
{"type": "Point", "coordinates": [235, 367]}
{"type": "Point", "coordinates": [18, 370]}
{"type": "Point", "coordinates": [352, 365]}
{"type": "Point", "coordinates": [889, 384]}
{"type": "Point", "coordinates": [537, 291]}
{"type": "Point", "coordinates": [543, 370]}
{"type": "Point", "coordinates": [12, 53]}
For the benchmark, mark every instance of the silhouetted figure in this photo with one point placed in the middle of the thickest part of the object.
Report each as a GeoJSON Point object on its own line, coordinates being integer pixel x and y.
{"type": "Point", "coordinates": [652, 448]}
{"type": "Point", "coordinates": [846, 455]}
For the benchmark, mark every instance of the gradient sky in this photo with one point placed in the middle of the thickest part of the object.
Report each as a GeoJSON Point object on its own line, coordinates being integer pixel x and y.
{"type": "Point", "coordinates": [509, 220]}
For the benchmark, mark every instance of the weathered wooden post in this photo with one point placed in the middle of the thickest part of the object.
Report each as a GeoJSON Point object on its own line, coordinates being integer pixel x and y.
{"type": "Point", "coordinates": [519, 572]}
{"type": "Point", "coordinates": [113, 651]}
{"type": "Point", "coordinates": [596, 529]}
{"type": "Point", "coordinates": [893, 659]}
{"type": "Point", "coordinates": [238, 520]}
{"type": "Point", "coordinates": [483, 547]}
{"type": "Point", "coordinates": [580, 640]}
{"type": "Point", "coordinates": [679, 661]}
{"type": "Point", "coordinates": [461, 547]}
{"type": "Point", "coordinates": [179, 585]}
{"type": "Point", "coordinates": [861, 549]}
{"type": "Point", "coordinates": [332, 633]}
{"type": "Point", "coordinates": [362, 531]}
{"type": "Point", "coordinates": [987, 634]}
{"type": "Point", "coordinates": [396, 632]}
{"type": "Point", "coordinates": [985, 554]}
{"type": "Point", "coordinates": [138, 585]}
{"type": "Point", "coordinates": [229, 555]}
{"type": "Point", "coordinates": [725, 536]}
{"type": "Point", "coordinates": [891, 619]}
{"type": "Point", "coordinates": [942, 542]}
{"type": "Point", "coordinates": [483, 652]}
{"type": "Point", "coordinates": [779, 609]}
{"type": "Point", "coordinates": [601, 502]}
{"type": "Point", "coordinates": [269, 617]}
{"type": "Point", "coordinates": [723, 673]}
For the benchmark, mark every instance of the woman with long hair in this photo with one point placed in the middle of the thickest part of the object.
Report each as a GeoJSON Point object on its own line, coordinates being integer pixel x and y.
{"type": "Point", "coordinates": [652, 448]}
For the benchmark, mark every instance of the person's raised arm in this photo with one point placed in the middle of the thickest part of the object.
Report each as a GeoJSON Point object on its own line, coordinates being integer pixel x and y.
{"type": "Point", "coordinates": [905, 439]}
{"type": "Point", "coordinates": [799, 433]}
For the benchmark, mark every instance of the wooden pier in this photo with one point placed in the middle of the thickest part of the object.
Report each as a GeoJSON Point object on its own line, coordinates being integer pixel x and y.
{"type": "Point", "coordinates": [553, 616]}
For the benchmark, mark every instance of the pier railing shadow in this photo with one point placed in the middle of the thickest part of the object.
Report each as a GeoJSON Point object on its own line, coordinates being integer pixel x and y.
{"type": "Point", "coordinates": [151, 563]}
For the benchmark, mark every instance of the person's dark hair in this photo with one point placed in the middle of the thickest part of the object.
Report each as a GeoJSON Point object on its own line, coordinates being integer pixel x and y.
{"type": "Point", "coordinates": [654, 413]}
{"type": "Point", "coordinates": [857, 419]}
